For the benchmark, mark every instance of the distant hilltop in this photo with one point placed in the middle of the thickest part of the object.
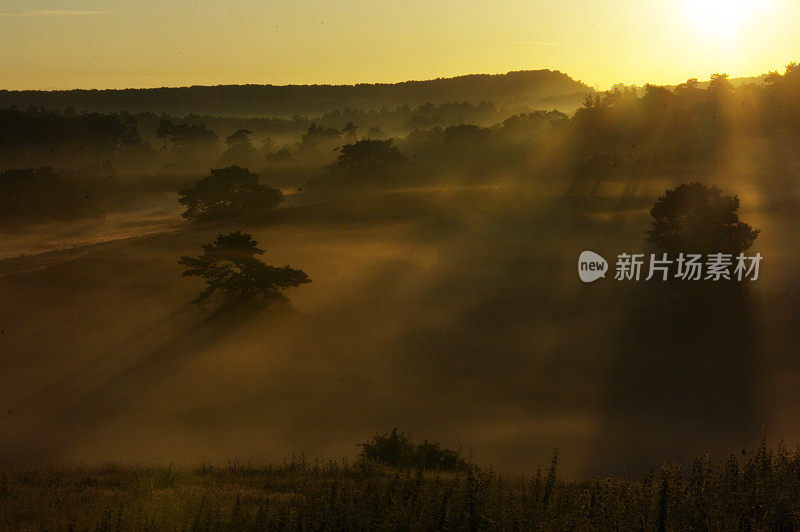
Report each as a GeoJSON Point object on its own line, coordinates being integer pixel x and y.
{"type": "Point", "coordinates": [524, 88]}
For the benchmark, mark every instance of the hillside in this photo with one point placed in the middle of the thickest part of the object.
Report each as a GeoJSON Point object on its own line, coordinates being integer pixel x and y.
{"type": "Point", "coordinates": [527, 87]}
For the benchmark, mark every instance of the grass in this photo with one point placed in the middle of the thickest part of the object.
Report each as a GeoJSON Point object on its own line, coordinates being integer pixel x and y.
{"type": "Point", "coordinates": [758, 491]}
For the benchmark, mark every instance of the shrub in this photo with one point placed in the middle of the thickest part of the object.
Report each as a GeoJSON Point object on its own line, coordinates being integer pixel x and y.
{"type": "Point", "coordinates": [397, 450]}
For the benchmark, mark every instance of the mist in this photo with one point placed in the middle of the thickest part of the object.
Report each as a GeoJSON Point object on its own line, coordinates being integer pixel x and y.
{"type": "Point", "coordinates": [444, 298]}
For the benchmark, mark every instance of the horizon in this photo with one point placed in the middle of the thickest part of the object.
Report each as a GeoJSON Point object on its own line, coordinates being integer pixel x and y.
{"type": "Point", "coordinates": [99, 44]}
{"type": "Point", "coordinates": [672, 83]}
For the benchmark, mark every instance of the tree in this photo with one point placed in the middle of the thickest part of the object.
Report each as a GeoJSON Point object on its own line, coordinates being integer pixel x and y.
{"type": "Point", "coordinates": [165, 128]}
{"type": "Point", "coordinates": [240, 149]}
{"type": "Point", "coordinates": [694, 218]}
{"type": "Point", "coordinates": [186, 138]}
{"type": "Point", "coordinates": [229, 193]}
{"type": "Point", "coordinates": [240, 136]}
{"type": "Point", "coordinates": [235, 276]}
{"type": "Point", "coordinates": [316, 141]}
{"type": "Point", "coordinates": [368, 157]}
{"type": "Point", "coordinates": [720, 83]}
{"type": "Point", "coordinates": [349, 132]}
{"type": "Point", "coordinates": [35, 195]}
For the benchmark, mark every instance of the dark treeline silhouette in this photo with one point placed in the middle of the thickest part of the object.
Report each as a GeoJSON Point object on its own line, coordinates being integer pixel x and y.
{"type": "Point", "coordinates": [656, 125]}
{"type": "Point", "coordinates": [32, 135]}
{"type": "Point", "coordinates": [513, 88]}
{"type": "Point", "coordinates": [623, 130]}
{"type": "Point", "coordinates": [399, 119]}
{"type": "Point", "coordinates": [373, 123]}
{"type": "Point", "coordinates": [688, 124]}
{"type": "Point", "coordinates": [34, 195]}
{"type": "Point", "coordinates": [146, 141]}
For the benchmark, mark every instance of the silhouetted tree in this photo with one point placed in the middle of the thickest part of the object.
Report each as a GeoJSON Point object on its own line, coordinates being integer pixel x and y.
{"type": "Point", "coordinates": [683, 369]}
{"type": "Point", "coordinates": [165, 127]}
{"type": "Point", "coordinates": [229, 193]}
{"type": "Point", "coordinates": [234, 275]}
{"type": "Point", "coordinates": [32, 195]}
{"type": "Point", "coordinates": [282, 157]}
{"type": "Point", "coordinates": [42, 137]}
{"type": "Point", "coordinates": [240, 136]}
{"type": "Point", "coordinates": [694, 218]}
{"type": "Point", "coordinates": [240, 149]}
{"type": "Point", "coordinates": [349, 132]}
{"type": "Point", "coordinates": [189, 138]}
{"type": "Point", "coordinates": [367, 156]}
{"type": "Point", "coordinates": [316, 141]}
{"type": "Point", "coordinates": [720, 83]}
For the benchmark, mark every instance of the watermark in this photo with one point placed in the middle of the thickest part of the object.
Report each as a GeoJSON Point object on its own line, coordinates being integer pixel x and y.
{"type": "Point", "coordinates": [591, 266]}
{"type": "Point", "coordinates": [662, 267]}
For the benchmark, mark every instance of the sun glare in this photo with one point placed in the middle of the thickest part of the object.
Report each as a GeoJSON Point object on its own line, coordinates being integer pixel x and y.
{"type": "Point", "coordinates": [719, 18]}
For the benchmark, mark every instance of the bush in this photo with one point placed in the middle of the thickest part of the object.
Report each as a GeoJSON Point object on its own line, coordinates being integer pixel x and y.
{"type": "Point", "coordinates": [396, 449]}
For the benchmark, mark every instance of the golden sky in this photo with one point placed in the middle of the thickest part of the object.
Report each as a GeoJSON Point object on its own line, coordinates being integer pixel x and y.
{"type": "Point", "coordinates": [146, 43]}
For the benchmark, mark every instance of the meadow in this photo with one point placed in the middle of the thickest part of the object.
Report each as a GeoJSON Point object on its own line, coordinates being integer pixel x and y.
{"type": "Point", "coordinates": [759, 490]}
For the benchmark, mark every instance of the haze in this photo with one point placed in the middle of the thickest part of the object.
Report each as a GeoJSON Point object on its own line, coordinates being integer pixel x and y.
{"type": "Point", "coordinates": [117, 44]}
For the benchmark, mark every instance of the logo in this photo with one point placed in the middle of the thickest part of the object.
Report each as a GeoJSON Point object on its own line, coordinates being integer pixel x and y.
{"type": "Point", "coordinates": [684, 267]}
{"type": "Point", "coordinates": [591, 266]}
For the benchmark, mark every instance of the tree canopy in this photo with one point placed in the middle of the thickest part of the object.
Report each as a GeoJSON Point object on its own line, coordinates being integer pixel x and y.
{"type": "Point", "coordinates": [234, 275]}
{"type": "Point", "coordinates": [31, 195]}
{"type": "Point", "coordinates": [240, 149]}
{"type": "Point", "coordinates": [368, 156]}
{"type": "Point", "coordinates": [695, 218]}
{"type": "Point", "coordinates": [229, 193]}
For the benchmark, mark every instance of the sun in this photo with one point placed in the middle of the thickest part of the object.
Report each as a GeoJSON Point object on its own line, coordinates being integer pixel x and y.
{"type": "Point", "coordinates": [719, 18]}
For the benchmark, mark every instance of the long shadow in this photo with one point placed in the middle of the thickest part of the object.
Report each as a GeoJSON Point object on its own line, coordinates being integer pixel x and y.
{"type": "Point", "coordinates": [51, 439]}
{"type": "Point", "coordinates": [682, 380]}
{"type": "Point", "coordinates": [98, 367]}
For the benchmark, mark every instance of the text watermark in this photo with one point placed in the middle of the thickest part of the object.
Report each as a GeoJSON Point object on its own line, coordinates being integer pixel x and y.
{"type": "Point", "coordinates": [662, 267]}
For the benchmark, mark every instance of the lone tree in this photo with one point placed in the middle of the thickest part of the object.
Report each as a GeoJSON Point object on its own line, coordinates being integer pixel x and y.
{"type": "Point", "coordinates": [694, 218]}
{"type": "Point", "coordinates": [367, 157]}
{"type": "Point", "coordinates": [228, 194]}
{"type": "Point", "coordinates": [235, 276]}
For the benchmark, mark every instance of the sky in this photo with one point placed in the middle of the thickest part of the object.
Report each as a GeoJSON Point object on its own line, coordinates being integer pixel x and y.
{"type": "Point", "coordinates": [145, 43]}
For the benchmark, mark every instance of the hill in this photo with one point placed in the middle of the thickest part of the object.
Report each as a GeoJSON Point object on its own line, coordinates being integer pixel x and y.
{"type": "Point", "coordinates": [522, 88]}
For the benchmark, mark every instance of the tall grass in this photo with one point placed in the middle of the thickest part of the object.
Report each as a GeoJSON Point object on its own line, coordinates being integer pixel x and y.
{"type": "Point", "coordinates": [760, 490]}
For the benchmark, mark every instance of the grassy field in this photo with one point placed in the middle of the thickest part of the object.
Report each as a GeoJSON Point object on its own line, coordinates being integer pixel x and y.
{"type": "Point", "coordinates": [759, 490]}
